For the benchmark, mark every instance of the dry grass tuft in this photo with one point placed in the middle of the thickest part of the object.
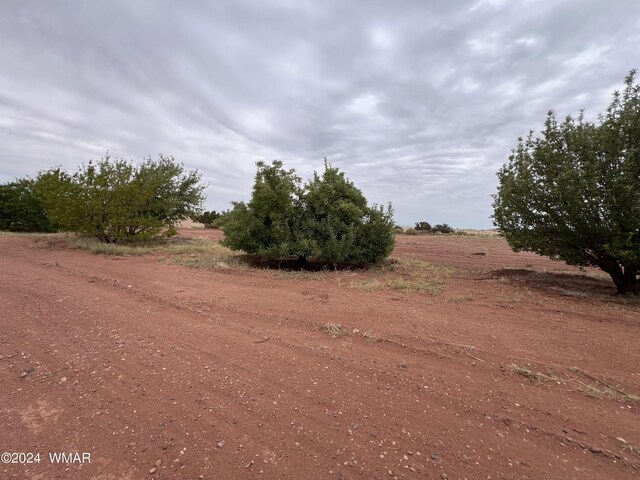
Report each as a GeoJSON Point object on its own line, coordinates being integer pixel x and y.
{"type": "Point", "coordinates": [194, 252]}
{"type": "Point", "coordinates": [631, 398]}
{"type": "Point", "coordinates": [201, 253]}
{"type": "Point", "coordinates": [300, 274]}
{"type": "Point", "coordinates": [405, 275]}
{"type": "Point", "coordinates": [467, 297]}
{"type": "Point", "coordinates": [597, 394]}
{"type": "Point", "coordinates": [629, 447]}
{"type": "Point", "coordinates": [333, 329]}
{"type": "Point", "coordinates": [371, 336]}
{"type": "Point", "coordinates": [535, 377]}
{"type": "Point", "coordinates": [95, 246]}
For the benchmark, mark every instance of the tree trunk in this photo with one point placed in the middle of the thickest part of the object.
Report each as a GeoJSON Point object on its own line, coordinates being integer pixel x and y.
{"type": "Point", "coordinates": [631, 281]}
{"type": "Point", "coordinates": [302, 261]}
{"type": "Point", "coordinates": [625, 278]}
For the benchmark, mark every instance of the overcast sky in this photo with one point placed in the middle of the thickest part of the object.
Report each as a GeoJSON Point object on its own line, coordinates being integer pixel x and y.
{"type": "Point", "coordinates": [419, 102]}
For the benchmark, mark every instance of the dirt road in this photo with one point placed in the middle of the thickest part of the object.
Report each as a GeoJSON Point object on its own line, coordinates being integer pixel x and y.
{"type": "Point", "coordinates": [163, 371]}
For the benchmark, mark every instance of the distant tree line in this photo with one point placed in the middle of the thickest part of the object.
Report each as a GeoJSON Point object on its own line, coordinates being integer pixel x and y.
{"type": "Point", "coordinates": [210, 219]}
{"type": "Point", "coordinates": [425, 227]}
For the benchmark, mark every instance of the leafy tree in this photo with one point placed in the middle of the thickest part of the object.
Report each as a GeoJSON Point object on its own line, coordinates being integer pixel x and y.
{"type": "Point", "coordinates": [327, 219]}
{"type": "Point", "coordinates": [442, 228]}
{"type": "Point", "coordinates": [423, 226]}
{"type": "Point", "coordinates": [115, 200]}
{"type": "Point", "coordinates": [573, 194]}
{"type": "Point", "coordinates": [207, 218]}
{"type": "Point", "coordinates": [21, 209]}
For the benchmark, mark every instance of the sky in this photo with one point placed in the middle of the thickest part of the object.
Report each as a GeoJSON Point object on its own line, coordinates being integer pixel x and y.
{"type": "Point", "coordinates": [419, 102]}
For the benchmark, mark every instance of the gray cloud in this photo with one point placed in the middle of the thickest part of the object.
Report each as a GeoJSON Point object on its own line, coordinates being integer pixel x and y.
{"type": "Point", "coordinates": [419, 102]}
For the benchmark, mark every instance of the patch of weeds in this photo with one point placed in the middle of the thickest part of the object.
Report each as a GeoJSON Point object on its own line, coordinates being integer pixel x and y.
{"type": "Point", "coordinates": [606, 391]}
{"type": "Point", "coordinates": [203, 254]}
{"type": "Point", "coordinates": [95, 246]}
{"type": "Point", "coordinates": [596, 393]}
{"type": "Point", "coordinates": [624, 300]}
{"type": "Point", "coordinates": [630, 398]}
{"type": "Point", "coordinates": [300, 274]}
{"type": "Point", "coordinates": [513, 296]}
{"type": "Point", "coordinates": [205, 260]}
{"type": "Point", "coordinates": [467, 297]}
{"type": "Point", "coordinates": [371, 336]}
{"type": "Point", "coordinates": [406, 275]}
{"type": "Point", "coordinates": [629, 447]}
{"type": "Point", "coordinates": [535, 377]}
{"type": "Point", "coordinates": [333, 329]}
{"type": "Point", "coordinates": [50, 264]}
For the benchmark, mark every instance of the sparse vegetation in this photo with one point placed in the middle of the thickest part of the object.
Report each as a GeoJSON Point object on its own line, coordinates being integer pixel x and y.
{"type": "Point", "coordinates": [606, 390]}
{"type": "Point", "coordinates": [371, 336]}
{"type": "Point", "coordinates": [596, 393]}
{"type": "Point", "coordinates": [196, 253]}
{"type": "Point", "coordinates": [467, 297]}
{"type": "Point", "coordinates": [631, 448]}
{"type": "Point", "coordinates": [406, 274]}
{"type": "Point", "coordinates": [97, 247]}
{"type": "Point", "coordinates": [630, 398]}
{"type": "Point", "coordinates": [536, 377]}
{"type": "Point", "coordinates": [333, 329]}
{"type": "Point", "coordinates": [204, 255]}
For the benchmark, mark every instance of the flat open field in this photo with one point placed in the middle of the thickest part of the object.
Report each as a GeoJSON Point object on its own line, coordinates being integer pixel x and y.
{"type": "Point", "coordinates": [488, 365]}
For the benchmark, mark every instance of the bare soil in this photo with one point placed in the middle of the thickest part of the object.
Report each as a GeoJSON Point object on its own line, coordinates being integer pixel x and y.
{"type": "Point", "coordinates": [522, 368]}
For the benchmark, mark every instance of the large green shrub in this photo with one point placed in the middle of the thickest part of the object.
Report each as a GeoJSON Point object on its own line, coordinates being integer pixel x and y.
{"type": "Point", "coordinates": [442, 228]}
{"type": "Point", "coordinates": [327, 219]}
{"type": "Point", "coordinates": [573, 194]}
{"type": "Point", "coordinates": [21, 209]}
{"type": "Point", "coordinates": [423, 226]}
{"type": "Point", "coordinates": [114, 200]}
{"type": "Point", "coordinates": [267, 225]}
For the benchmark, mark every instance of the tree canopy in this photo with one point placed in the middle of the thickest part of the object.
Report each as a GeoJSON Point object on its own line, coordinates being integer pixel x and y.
{"type": "Point", "coordinates": [115, 200]}
{"type": "Point", "coordinates": [327, 219]}
{"type": "Point", "coordinates": [573, 193]}
{"type": "Point", "coordinates": [21, 209]}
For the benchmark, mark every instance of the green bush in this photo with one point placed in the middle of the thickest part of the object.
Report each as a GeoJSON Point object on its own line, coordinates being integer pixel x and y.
{"type": "Point", "coordinates": [208, 219]}
{"type": "Point", "coordinates": [442, 228]}
{"type": "Point", "coordinates": [21, 209]}
{"type": "Point", "coordinates": [267, 225]}
{"type": "Point", "coordinates": [327, 219]}
{"type": "Point", "coordinates": [115, 200]}
{"type": "Point", "coordinates": [423, 226]}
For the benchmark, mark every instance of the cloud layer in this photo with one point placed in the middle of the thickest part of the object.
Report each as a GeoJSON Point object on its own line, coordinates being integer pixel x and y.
{"type": "Point", "coordinates": [419, 102]}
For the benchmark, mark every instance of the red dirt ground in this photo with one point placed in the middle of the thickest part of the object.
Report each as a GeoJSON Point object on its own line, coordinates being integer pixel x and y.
{"type": "Point", "coordinates": [135, 361]}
